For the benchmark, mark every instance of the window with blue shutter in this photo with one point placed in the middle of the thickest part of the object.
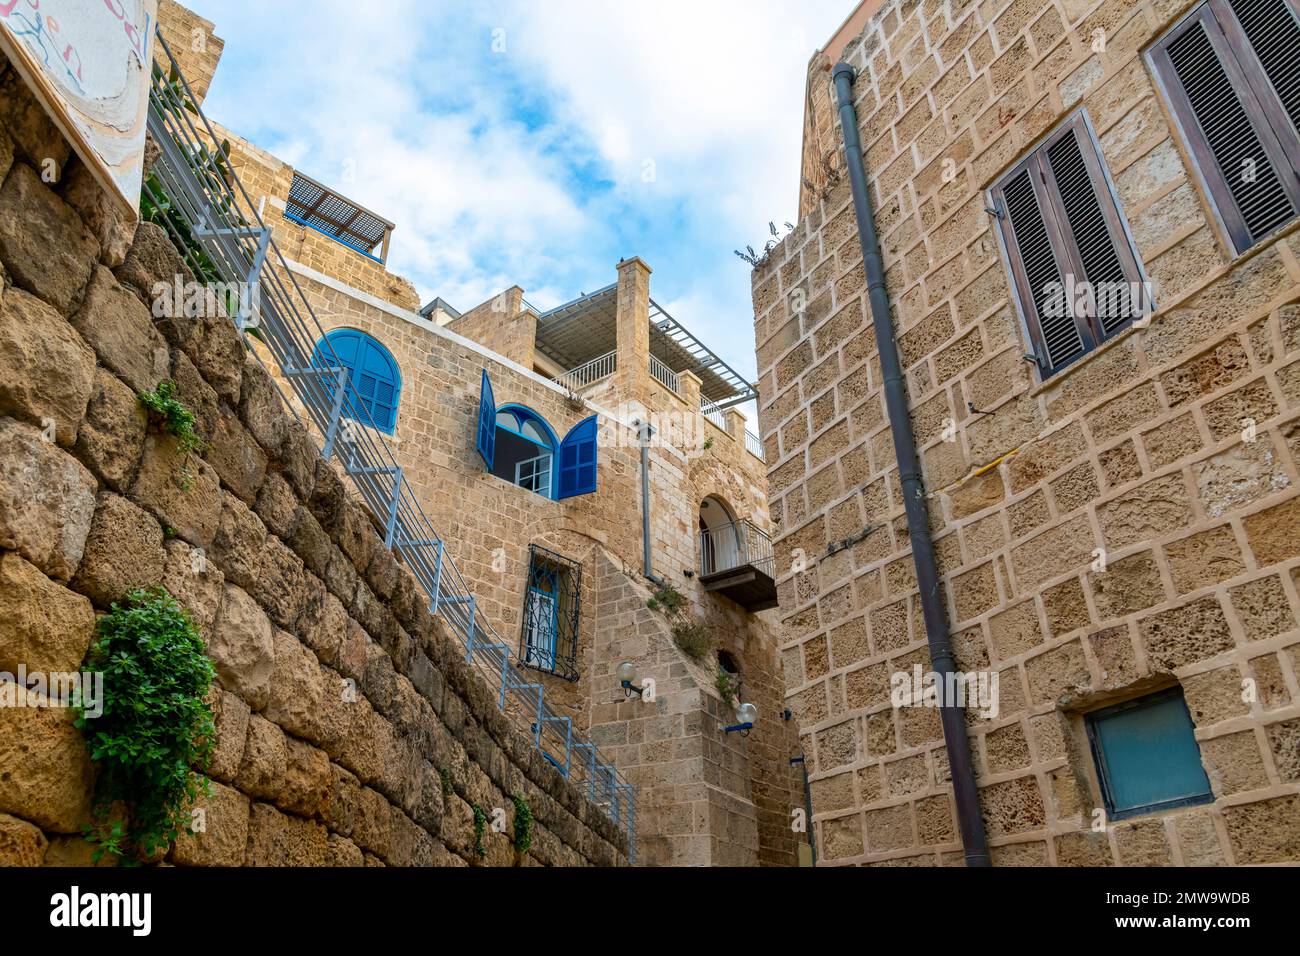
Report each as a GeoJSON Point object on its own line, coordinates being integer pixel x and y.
{"type": "Point", "coordinates": [578, 460]}
{"type": "Point", "coordinates": [375, 383]}
{"type": "Point", "coordinates": [1147, 757]}
{"type": "Point", "coordinates": [487, 421]}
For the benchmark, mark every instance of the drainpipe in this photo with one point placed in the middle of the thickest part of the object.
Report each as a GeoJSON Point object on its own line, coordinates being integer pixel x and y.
{"type": "Point", "coordinates": [644, 433]}
{"type": "Point", "coordinates": [807, 803]}
{"type": "Point", "coordinates": [942, 662]}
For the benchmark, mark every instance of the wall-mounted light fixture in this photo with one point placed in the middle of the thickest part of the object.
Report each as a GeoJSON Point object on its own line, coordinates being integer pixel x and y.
{"type": "Point", "coordinates": [746, 714]}
{"type": "Point", "coordinates": [627, 679]}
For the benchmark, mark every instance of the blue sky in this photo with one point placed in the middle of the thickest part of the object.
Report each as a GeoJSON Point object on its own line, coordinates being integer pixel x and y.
{"type": "Point", "coordinates": [536, 143]}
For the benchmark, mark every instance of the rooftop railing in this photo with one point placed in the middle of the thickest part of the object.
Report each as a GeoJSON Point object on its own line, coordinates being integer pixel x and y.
{"type": "Point", "coordinates": [713, 413]}
{"type": "Point", "coordinates": [663, 374]}
{"type": "Point", "coordinates": [754, 444]}
{"type": "Point", "coordinates": [213, 222]}
{"type": "Point", "coordinates": [601, 367]}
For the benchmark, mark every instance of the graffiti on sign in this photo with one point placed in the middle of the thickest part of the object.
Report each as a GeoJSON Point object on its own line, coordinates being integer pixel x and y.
{"type": "Point", "coordinates": [88, 63]}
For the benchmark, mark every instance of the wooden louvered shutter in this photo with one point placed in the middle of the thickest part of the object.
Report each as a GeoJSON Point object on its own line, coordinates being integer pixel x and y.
{"type": "Point", "coordinates": [1232, 73]}
{"type": "Point", "coordinates": [1061, 229]}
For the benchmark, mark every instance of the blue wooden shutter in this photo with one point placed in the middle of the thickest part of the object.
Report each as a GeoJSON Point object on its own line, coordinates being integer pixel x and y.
{"type": "Point", "coordinates": [487, 422]}
{"type": "Point", "coordinates": [578, 460]}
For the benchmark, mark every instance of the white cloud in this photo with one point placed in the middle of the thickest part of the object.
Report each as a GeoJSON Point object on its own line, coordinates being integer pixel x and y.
{"type": "Point", "coordinates": [530, 165]}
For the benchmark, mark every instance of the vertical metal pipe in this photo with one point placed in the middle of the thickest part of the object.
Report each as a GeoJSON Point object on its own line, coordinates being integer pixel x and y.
{"type": "Point", "coordinates": [644, 433]}
{"type": "Point", "coordinates": [643, 438]}
{"type": "Point", "coordinates": [942, 662]}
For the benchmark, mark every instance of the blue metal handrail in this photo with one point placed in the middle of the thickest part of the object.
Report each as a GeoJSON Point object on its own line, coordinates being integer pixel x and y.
{"type": "Point", "coordinates": [204, 194]}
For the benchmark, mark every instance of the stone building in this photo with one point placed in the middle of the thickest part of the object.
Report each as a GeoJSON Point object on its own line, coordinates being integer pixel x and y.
{"type": "Point", "coordinates": [550, 540]}
{"type": "Point", "coordinates": [1111, 483]}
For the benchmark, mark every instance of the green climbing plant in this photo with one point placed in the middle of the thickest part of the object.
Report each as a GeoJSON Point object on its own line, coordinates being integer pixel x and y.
{"type": "Point", "coordinates": [445, 776]}
{"type": "Point", "coordinates": [155, 724]}
{"type": "Point", "coordinates": [523, 823]}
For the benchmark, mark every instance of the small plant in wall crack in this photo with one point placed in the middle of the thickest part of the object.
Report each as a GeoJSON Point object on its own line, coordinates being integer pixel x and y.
{"type": "Point", "coordinates": [173, 417]}
{"type": "Point", "coordinates": [166, 411]}
{"type": "Point", "coordinates": [728, 686]}
{"type": "Point", "coordinates": [154, 727]}
{"type": "Point", "coordinates": [691, 637]}
{"type": "Point", "coordinates": [667, 599]}
{"type": "Point", "coordinates": [758, 259]}
{"type": "Point", "coordinates": [523, 823]}
{"type": "Point", "coordinates": [480, 827]}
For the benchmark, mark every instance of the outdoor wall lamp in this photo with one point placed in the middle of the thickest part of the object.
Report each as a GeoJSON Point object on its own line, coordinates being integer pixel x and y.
{"type": "Point", "coordinates": [627, 678]}
{"type": "Point", "coordinates": [746, 714]}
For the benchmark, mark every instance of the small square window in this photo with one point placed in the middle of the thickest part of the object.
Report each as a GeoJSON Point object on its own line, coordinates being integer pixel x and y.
{"type": "Point", "coordinates": [1147, 756]}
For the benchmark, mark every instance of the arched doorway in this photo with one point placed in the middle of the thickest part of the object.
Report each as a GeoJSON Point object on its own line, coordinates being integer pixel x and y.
{"type": "Point", "coordinates": [719, 543]}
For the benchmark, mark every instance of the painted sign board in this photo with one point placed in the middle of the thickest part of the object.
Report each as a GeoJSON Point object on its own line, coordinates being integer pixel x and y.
{"type": "Point", "coordinates": [89, 63]}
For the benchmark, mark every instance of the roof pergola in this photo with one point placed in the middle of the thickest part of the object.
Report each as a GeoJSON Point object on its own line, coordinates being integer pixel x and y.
{"type": "Point", "coordinates": [584, 329]}
{"type": "Point", "coordinates": [318, 206]}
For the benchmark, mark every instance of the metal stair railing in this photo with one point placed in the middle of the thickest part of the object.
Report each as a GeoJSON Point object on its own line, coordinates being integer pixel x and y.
{"type": "Point", "coordinates": [214, 223]}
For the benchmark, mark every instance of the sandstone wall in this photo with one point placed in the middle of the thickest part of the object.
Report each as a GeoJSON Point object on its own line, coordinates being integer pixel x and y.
{"type": "Point", "coordinates": [1138, 450]}
{"type": "Point", "coordinates": [341, 703]}
{"type": "Point", "coordinates": [194, 44]}
{"type": "Point", "coordinates": [503, 325]}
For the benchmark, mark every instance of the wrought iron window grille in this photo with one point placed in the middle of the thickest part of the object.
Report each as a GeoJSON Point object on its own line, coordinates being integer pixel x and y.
{"type": "Point", "coordinates": [548, 634]}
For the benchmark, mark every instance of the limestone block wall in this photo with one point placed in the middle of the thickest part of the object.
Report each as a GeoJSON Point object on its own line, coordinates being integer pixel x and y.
{"type": "Point", "coordinates": [341, 705]}
{"type": "Point", "coordinates": [194, 44]}
{"type": "Point", "coordinates": [491, 523]}
{"type": "Point", "coordinates": [1139, 449]}
{"type": "Point", "coordinates": [503, 325]}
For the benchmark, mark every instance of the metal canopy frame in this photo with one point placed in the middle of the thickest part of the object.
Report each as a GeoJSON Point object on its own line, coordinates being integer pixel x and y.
{"type": "Point", "coordinates": [320, 207]}
{"type": "Point", "coordinates": [578, 331]}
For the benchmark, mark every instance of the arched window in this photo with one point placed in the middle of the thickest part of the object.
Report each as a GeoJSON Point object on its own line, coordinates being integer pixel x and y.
{"type": "Point", "coordinates": [525, 450]}
{"type": "Point", "coordinates": [517, 445]}
{"type": "Point", "coordinates": [376, 383]}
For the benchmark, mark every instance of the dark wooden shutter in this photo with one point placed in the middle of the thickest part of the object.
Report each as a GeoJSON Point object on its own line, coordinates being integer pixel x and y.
{"type": "Point", "coordinates": [1273, 29]}
{"type": "Point", "coordinates": [1058, 339]}
{"type": "Point", "coordinates": [1234, 86]}
{"type": "Point", "coordinates": [1061, 227]}
{"type": "Point", "coordinates": [1104, 255]}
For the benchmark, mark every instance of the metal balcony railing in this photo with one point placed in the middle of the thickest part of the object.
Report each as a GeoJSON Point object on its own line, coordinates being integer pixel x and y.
{"type": "Point", "coordinates": [754, 445]}
{"type": "Point", "coordinates": [663, 374]}
{"type": "Point", "coordinates": [213, 222]}
{"type": "Point", "coordinates": [734, 546]}
{"type": "Point", "coordinates": [601, 367]}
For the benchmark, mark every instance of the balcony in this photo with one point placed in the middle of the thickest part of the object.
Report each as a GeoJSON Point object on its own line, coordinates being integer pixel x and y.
{"type": "Point", "coordinates": [736, 560]}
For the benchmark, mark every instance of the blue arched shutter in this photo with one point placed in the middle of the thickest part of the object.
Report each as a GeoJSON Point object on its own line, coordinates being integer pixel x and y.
{"type": "Point", "coordinates": [487, 421]}
{"type": "Point", "coordinates": [578, 460]}
{"type": "Point", "coordinates": [375, 383]}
